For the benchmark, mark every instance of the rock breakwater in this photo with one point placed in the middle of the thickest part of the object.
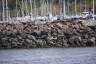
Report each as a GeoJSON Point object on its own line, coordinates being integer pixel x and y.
{"type": "Point", "coordinates": [60, 33]}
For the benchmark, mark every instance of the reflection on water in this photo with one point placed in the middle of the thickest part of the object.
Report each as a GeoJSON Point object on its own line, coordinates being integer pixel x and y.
{"type": "Point", "coordinates": [49, 56]}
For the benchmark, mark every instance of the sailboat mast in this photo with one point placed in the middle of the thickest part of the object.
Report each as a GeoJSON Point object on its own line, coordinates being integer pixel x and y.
{"type": "Point", "coordinates": [44, 8]}
{"type": "Point", "coordinates": [22, 9]}
{"type": "Point", "coordinates": [3, 15]}
{"type": "Point", "coordinates": [93, 10]}
{"type": "Point", "coordinates": [51, 7]}
{"type": "Point", "coordinates": [46, 3]}
{"type": "Point", "coordinates": [64, 11]}
{"type": "Point", "coordinates": [60, 5]}
{"type": "Point", "coordinates": [7, 15]}
{"type": "Point", "coordinates": [35, 10]}
{"type": "Point", "coordinates": [80, 7]}
{"type": "Point", "coordinates": [68, 12]}
{"type": "Point", "coordinates": [41, 8]}
{"type": "Point", "coordinates": [85, 6]}
{"type": "Point", "coordinates": [47, 6]}
{"type": "Point", "coordinates": [26, 8]}
{"type": "Point", "coordinates": [31, 7]}
{"type": "Point", "coordinates": [16, 8]}
{"type": "Point", "coordinates": [75, 7]}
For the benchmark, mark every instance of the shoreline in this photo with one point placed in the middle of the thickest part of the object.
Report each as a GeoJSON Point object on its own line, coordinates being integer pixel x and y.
{"type": "Point", "coordinates": [46, 48]}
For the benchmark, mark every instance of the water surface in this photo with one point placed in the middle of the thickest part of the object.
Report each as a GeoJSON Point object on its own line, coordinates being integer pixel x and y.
{"type": "Point", "coordinates": [49, 56]}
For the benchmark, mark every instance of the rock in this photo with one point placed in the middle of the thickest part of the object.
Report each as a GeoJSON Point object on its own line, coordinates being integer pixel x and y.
{"type": "Point", "coordinates": [5, 43]}
{"type": "Point", "coordinates": [28, 41]}
{"type": "Point", "coordinates": [36, 34]}
{"type": "Point", "coordinates": [44, 35]}
{"type": "Point", "coordinates": [15, 43]}
{"type": "Point", "coordinates": [84, 41]}
{"type": "Point", "coordinates": [24, 36]}
{"type": "Point", "coordinates": [65, 44]}
{"type": "Point", "coordinates": [19, 37]}
{"type": "Point", "coordinates": [75, 40]}
{"type": "Point", "coordinates": [91, 42]}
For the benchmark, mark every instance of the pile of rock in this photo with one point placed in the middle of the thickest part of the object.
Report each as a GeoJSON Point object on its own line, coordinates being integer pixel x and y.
{"type": "Point", "coordinates": [60, 33]}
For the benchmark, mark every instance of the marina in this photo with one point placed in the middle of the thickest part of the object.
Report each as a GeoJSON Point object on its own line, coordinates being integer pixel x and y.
{"type": "Point", "coordinates": [46, 11]}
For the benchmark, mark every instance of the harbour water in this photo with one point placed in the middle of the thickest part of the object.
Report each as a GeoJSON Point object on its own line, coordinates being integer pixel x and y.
{"type": "Point", "coordinates": [49, 56]}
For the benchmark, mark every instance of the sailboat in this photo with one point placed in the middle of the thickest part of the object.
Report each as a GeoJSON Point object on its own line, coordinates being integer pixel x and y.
{"type": "Point", "coordinates": [91, 21]}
